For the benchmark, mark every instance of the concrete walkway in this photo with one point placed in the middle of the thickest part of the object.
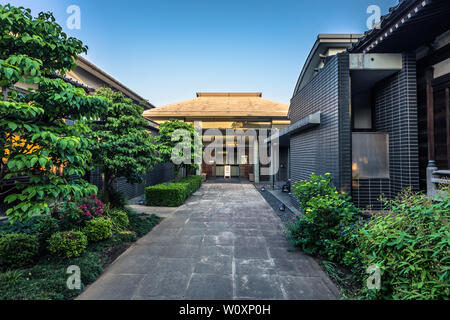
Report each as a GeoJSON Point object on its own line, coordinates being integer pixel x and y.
{"type": "Point", "coordinates": [223, 244]}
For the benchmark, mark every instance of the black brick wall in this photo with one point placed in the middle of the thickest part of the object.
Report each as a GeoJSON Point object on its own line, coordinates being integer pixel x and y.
{"type": "Point", "coordinates": [325, 148]}
{"type": "Point", "coordinates": [396, 114]}
{"type": "Point", "coordinates": [345, 124]}
{"type": "Point", "coordinates": [328, 148]}
{"type": "Point", "coordinates": [161, 173]}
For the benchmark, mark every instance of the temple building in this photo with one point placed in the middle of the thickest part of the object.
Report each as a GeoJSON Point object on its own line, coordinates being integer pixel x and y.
{"type": "Point", "coordinates": [218, 113]}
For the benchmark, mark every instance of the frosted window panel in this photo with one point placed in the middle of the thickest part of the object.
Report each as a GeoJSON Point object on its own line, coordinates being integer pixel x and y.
{"type": "Point", "coordinates": [370, 155]}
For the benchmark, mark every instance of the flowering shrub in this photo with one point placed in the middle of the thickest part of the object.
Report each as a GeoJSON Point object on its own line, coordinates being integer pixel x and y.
{"type": "Point", "coordinates": [91, 207]}
{"type": "Point", "coordinates": [75, 214]}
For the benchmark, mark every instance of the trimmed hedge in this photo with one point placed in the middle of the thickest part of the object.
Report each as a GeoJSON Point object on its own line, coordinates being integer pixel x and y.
{"type": "Point", "coordinates": [69, 244]}
{"type": "Point", "coordinates": [98, 229]}
{"type": "Point", "coordinates": [172, 194]}
{"type": "Point", "coordinates": [18, 250]}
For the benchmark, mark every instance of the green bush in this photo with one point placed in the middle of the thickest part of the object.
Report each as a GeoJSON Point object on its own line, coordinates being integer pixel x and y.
{"type": "Point", "coordinates": [410, 243]}
{"type": "Point", "coordinates": [118, 217]}
{"type": "Point", "coordinates": [69, 243]}
{"type": "Point", "coordinates": [46, 226]}
{"type": "Point", "coordinates": [172, 194]}
{"type": "Point", "coordinates": [98, 229]}
{"type": "Point", "coordinates": [18, 250]}
{"type": "Point", "coordinates": [166, 195]}
{"type": "Point", "coordinates": [328, 223]}
{"type": "Point", "coordinates": [316, 186]}
{"type": "Point", "coordinates": [28, 227]}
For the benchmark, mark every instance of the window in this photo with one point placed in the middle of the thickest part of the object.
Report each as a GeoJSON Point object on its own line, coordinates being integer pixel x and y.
{"type": "Point", "coordinates": [370, 155]}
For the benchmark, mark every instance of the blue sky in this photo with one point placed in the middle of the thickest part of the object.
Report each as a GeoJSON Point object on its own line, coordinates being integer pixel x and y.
{"type": "Point", "coordinates": [167, 50]}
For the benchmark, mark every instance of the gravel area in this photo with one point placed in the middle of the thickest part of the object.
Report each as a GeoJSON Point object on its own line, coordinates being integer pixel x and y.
{"type": "Point", "coordinates": [286, 215]}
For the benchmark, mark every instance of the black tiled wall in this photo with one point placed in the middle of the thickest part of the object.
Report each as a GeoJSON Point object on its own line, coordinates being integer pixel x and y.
{"type": "Point", "coordinates": [396, 114]}
{"type": "Point", "coordinates": [325, 148]}
{"type": "Point", "coordinates": [161, 173]}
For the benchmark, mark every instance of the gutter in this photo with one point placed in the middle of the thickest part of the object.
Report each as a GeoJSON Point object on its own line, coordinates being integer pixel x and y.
{"type": "Point", "coordinates": [308, 122]}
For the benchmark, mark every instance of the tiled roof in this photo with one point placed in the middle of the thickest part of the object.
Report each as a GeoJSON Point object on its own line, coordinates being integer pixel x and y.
{"type": "Point", "coordinates": [390, 23]}
{"type": "Point", "coordinates": [221, 105]}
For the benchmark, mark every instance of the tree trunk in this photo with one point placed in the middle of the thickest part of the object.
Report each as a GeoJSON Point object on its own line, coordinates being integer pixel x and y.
{"type": "Point", "coordinates": [176, 172]}
{"type": "Point", "coordinates": [107, 185]}
{"type": "Point", "coordinates": [5, 93]}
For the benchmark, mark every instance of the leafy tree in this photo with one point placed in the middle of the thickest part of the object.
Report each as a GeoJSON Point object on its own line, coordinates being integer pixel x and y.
{"type": "Point", "coordinates": [41, 157]}
{"type": "Point", "coordinates": [179, 143]}
{"type": "Point", "coordinates": [125, 148]}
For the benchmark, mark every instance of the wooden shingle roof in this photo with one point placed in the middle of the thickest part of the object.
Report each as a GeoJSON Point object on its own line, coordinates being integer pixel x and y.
{"type": "Point", "coordinates": [221, 105]}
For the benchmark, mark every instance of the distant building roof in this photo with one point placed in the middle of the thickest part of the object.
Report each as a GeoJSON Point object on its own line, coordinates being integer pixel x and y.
{"type": "Point", "coordinates": [101, 75]}
{"type": "Point", "coordinates": [221, 105]}
{"type": "Point", "coordinates": [323, 44]}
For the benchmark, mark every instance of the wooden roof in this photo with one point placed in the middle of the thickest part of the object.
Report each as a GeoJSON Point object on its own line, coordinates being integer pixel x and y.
{"type": "Point", "coordinates": [221, 105]}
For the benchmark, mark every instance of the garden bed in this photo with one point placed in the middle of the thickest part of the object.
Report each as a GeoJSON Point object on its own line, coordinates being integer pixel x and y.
{"type": "Point", "coordinates": [400, 253]}
{"type": "Point", "coordinates": [47, 279]}
{"type": "Point", "coordinates": [349, 286]}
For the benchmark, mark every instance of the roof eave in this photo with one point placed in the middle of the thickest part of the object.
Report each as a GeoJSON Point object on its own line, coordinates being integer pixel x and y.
{"type": "Point", "coordinates": [93, 69]}
{"type": "Point", "coordinates": [389, 23]}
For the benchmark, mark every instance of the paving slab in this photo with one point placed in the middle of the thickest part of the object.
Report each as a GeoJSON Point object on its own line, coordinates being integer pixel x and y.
{"type": "Point", "coordinates": [225, 243]}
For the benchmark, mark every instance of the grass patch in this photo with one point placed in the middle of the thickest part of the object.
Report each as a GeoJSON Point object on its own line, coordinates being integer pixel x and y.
{"type": "Point", "coordinates": [47, 279]}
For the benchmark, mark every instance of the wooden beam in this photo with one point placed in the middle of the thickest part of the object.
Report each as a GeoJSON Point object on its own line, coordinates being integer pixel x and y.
{"type": "Point", "coordinates": [430, 114]}
{"type": "Point", "coordinates": [434, 57]}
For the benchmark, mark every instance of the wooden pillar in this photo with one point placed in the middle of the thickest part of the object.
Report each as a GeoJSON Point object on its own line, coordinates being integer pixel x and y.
{"type": "Point", "coordinates": [447, 107]}
{"type": "Point", "coordinates": [256, 159]}
{"type": "Point", "coordinates": [430, 115]}
{"type": "Point", "coordinates": [272, 175]}
{"type": "Point", "coordinates": [430, 132]}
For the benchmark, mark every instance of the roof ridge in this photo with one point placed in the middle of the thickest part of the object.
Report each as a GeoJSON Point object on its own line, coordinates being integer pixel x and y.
{"type": "Point", "coordinates": [229, 94]}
